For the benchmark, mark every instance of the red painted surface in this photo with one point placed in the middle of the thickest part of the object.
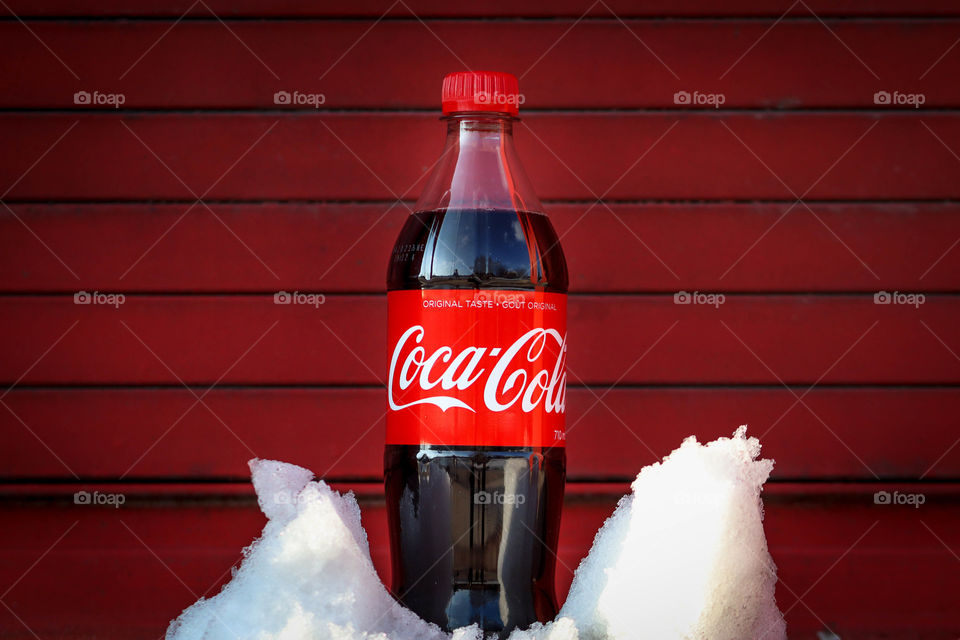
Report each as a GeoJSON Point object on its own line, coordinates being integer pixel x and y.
{"type": "Point", "coordinates": [438, 8]}
{"type": "Point", "coordinates": [895, 432]}
{"type": "Point", "coordinates": [787, 58]}
{"type": "Point", "coordinates": [342, 247]}
{"type": "Point", "coordinates": [342, 156]}
{"type": "Point", "coordinates": [248, 339]}
{"type": "Point", "coordinates": [698, 199]}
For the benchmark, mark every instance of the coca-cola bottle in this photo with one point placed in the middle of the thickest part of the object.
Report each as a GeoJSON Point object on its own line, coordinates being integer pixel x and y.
{"type": "Point", "coordinates": [475, 459]}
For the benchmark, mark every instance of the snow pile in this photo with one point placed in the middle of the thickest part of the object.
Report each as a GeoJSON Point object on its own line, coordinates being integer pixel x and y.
{"type": "Point", "coordinates": [683, 556]}
{"type": "Point", "coordinates": [308, 576]}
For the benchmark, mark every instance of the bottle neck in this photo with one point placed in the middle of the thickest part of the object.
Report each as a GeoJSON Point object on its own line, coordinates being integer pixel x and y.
{"type": "Point", "coordinates": [492, 124]}
{"type": "Point", "coordinates": [479, 168]}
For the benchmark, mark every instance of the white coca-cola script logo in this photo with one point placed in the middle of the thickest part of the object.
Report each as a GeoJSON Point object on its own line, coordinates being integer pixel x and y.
{"type": "Point", "coordinates": [521, 373]}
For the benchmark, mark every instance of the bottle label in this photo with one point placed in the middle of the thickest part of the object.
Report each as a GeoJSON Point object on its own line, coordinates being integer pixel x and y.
{"type": "Point", "coordinates": [480, 367]}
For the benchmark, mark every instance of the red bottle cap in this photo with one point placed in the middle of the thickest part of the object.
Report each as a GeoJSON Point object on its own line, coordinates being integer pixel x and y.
{"type": "Point", "coordinates": [481, 91]}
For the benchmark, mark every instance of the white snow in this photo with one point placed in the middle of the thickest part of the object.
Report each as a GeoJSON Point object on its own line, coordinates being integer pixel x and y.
{"type": "Point", "coordinates": [309, 575]}
{"type": "Point", "coordinates": [683, 556]}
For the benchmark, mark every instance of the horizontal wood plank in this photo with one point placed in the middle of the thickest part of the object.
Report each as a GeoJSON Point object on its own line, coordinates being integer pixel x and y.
{"type": "Point", "coordinates": [437, 8]}
{"type": "Point", "coordinates": [614, 339]}
{"type": "Point", "coordinates": [344, 247]}
{"type": "Point", "coordinates": [139, 565]}
{"type": "Point", "coordinates": [203, 65]}
{"type": "Point", "coordinates": [162, 434]}
{"type": "Point", "coordinates": [668, 155]}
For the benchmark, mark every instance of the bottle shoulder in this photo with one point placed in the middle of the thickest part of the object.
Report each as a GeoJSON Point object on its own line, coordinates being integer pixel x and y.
{"type": "Point", "coordinates": [477, 249]}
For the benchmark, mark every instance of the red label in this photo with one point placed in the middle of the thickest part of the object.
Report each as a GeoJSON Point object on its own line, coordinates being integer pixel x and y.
{"type": "Point", "coordinates": [476, 368]}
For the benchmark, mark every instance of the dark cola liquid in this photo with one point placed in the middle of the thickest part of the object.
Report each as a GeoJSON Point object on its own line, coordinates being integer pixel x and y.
{"type": "Point", "coordinates": [474, 530]}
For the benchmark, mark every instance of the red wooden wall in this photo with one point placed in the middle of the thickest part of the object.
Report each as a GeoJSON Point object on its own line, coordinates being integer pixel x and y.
{"type": "Point", "coordinates": [799, 199]}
